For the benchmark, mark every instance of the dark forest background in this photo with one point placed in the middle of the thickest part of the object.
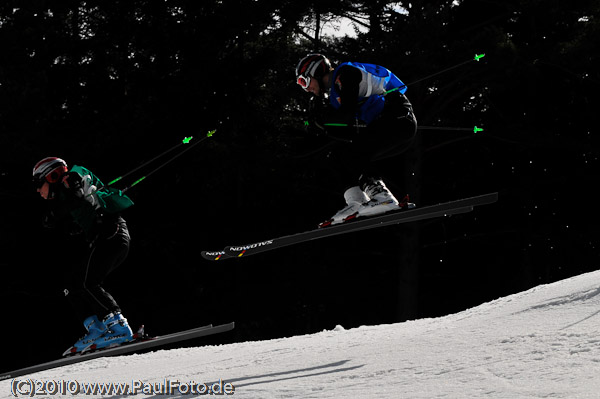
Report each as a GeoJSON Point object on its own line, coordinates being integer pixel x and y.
{"type": "Point", "coordinates": [110, 85]}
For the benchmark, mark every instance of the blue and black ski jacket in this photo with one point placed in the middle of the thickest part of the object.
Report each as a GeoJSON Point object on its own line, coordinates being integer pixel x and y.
{"type": "Point", "coordinates": [362, 95]}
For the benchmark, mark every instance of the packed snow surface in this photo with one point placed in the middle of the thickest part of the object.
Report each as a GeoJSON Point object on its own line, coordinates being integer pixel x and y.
{"type": "Point", "coordinates": [542, 343]}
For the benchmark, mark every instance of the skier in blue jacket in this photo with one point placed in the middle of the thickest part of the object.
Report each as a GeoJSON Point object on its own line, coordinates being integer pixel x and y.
{"type": "Point", "coordinates": [379, 123]}
{"type": "Point", "coordinates": [78, 202]}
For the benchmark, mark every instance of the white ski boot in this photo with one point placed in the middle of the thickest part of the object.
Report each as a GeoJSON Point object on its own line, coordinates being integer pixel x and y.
{"type": "Point", "coordinates": [381, 200]}
{"type": "Point", "coordinates": [355, 198]}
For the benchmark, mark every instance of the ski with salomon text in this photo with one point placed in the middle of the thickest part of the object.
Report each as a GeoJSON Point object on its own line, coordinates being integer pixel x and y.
{"type": "Point", "coordinates": [359, 224]}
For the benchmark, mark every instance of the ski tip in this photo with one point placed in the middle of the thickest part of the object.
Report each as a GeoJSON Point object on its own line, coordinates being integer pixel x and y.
{"type": "Point", "coordinates": [235, 252]}
{"type": "Point", "coordinates": [214, 255]}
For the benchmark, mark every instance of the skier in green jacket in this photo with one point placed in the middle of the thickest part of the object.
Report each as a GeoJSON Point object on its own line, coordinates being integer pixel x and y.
{"type": "Point", "coordinates": [78, 200]}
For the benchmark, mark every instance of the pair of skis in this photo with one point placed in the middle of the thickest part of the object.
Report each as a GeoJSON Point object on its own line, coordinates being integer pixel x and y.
{"type": "Point", "coordinates": [388, 219]}
{"type": "Point", "coordinates": [135, 346]}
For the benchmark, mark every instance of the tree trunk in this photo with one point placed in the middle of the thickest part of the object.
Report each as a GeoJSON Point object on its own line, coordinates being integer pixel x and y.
{"type": "Point", "coordinates": [409, 240]}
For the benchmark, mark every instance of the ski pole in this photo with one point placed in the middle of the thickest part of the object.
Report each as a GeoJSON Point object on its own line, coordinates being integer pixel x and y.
{"type": "Point", "coordinates": [144, 164]}
{"type": "Point", "coordinates": [474, 129]}
{"type": "Point", "coordinates": [476, 58]}
{"type": "Point", "coordinates": [186, 140]}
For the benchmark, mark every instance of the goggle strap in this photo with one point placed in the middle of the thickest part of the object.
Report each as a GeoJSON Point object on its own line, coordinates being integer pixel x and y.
{"type": "Point", "coordinates": [313, 68]}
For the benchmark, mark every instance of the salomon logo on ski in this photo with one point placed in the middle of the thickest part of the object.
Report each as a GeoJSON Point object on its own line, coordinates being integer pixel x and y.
{"type": "Point", "coordinates": [358, 224]}
{"type": "Point", "coordinates": [251, 246]}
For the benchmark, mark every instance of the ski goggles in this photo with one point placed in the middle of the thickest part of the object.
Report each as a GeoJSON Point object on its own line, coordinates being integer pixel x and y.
{"type": "Point", "coordinates": [303, 81]}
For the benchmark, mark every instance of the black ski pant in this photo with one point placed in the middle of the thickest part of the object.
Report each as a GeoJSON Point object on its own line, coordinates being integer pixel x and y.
{"type": "Point", "coordinates": [373, 152]}
{"type": "Point", "coordinates": [86, 292]}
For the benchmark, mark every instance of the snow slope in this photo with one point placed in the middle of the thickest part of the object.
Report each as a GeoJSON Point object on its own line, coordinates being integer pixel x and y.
{"type": "Point", "coordinates": [542, 343]}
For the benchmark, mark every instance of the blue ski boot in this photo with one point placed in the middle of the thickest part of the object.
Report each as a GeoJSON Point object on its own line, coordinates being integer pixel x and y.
{"type": "Point", "coordinates": [95, 329]}
{"type": "Point", "coordinates": [117, 332]}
